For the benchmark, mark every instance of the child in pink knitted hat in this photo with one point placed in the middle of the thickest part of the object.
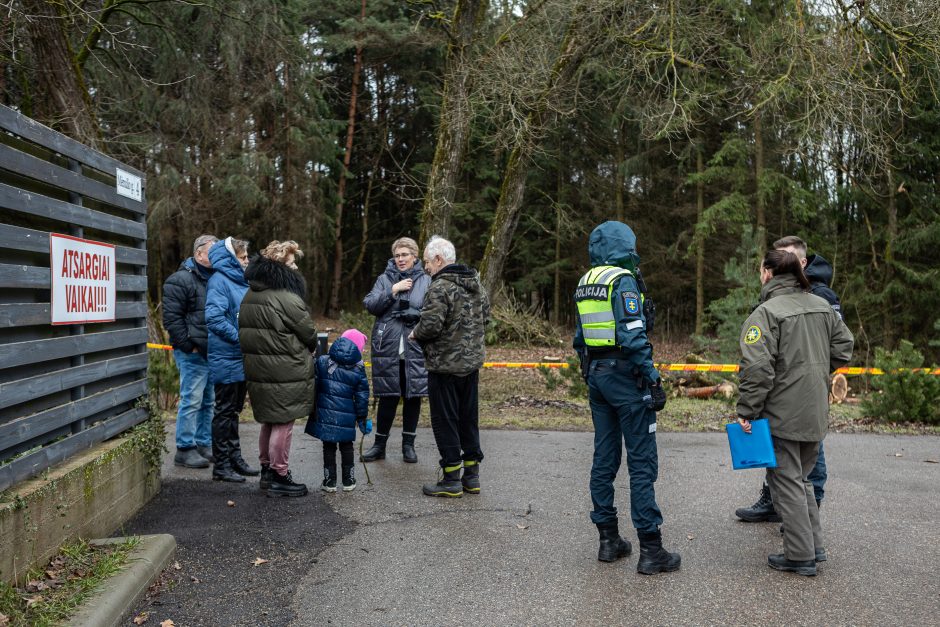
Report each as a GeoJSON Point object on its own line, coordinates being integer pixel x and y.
{"type": "Point", "coordinates": [342, 405]}
{"type": "Point", "coordinates": [358, 338]}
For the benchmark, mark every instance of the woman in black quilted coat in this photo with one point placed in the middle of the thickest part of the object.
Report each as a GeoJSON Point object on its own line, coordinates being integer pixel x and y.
{"type": "Point", "coordinates": [398, 371]}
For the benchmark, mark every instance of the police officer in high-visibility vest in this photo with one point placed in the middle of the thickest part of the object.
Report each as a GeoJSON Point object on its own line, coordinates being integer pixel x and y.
{"type": "Point", "coordinates": [625, 392]}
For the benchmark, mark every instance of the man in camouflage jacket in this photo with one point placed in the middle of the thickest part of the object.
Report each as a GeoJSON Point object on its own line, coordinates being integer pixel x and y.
{"type": "Point", "coordinates": [453, 320]}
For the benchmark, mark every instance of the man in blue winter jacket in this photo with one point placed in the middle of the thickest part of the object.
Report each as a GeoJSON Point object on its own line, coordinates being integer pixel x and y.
{"type": "Point", "coordinates": [184, 318]}
{"type": "Point", "coordinates": [819, 273]}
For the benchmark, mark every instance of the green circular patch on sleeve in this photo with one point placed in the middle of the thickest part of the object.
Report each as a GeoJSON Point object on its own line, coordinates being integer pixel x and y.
{"type": "Point", "coordinates": [753, 335]}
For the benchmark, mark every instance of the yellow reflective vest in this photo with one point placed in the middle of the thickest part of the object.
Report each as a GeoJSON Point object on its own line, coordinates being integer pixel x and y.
{"type": "Point", "coordinates": [594, 299]}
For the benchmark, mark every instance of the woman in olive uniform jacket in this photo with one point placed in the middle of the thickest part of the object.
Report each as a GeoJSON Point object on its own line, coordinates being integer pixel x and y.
{"type": "Point", "coordinates": [790, 345]}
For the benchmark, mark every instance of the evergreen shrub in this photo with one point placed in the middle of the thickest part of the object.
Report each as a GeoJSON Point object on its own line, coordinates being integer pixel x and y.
{"type": "Point", "coordinates": [163, 379]}
{"type": "Point", "coordinates": [901, 395]}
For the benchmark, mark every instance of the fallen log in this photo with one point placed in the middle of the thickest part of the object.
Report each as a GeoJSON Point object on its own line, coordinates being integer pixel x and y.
{"type": "Point", "coordinates": [725, 389]}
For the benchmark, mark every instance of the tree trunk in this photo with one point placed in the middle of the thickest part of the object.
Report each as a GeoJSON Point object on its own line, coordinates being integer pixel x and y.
{"type": "Point", "coordinates": [454, 126]}
{"type": "Point", "coordinates": [758, 180]}
{"type": "Point", "coordinates": [890, 238]}
{"type": "Point", "coordinates": [556, 294]}
{"type": "Point", "coordinates": [699, 244]}
{"type": "Point", "coordinates": [512, 191]}
{"type": "Point", "coordinates": [379, 151]}
{"type": "Point", "coordinates": [341, 190]}
{"type": "Point", "coordinates": [62, 100]}
{"type": "Point", "coordinates": [618, 174]}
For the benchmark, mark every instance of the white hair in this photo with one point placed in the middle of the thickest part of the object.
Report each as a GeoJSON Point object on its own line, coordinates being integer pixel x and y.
{"type": "Point", "coordinates": [438, 246]}
{"type": "Point", "coordinates": [202, 240]}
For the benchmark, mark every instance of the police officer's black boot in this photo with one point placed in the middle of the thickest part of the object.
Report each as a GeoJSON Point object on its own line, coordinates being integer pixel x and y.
{"type": "Point", "coordinates": [449, 484]}
{"type": "Point", "coordinates": [653, 557]}
{"type": "Point", "coordinates": [377, 450]}
{"type": "Point", "coordinates": [471, 477]}
{"type": "Point", "coordinates": [408, 448]}
{"type": "Point", "coordinates": [613, 546]}
{"type": "Point", "coordinates": [761, 511]}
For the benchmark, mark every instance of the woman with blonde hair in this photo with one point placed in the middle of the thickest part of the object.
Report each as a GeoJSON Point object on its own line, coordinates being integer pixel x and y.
{"type": "Point", "coordinates": [277, 337]}
{"type": "Point", "coordinates": [398, 371]}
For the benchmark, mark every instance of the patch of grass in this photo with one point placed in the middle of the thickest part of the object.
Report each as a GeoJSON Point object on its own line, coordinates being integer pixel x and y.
{"type": "Point", "coordinates": [50, 595]}
{"type": "Point", "coordinates": [527, 399]}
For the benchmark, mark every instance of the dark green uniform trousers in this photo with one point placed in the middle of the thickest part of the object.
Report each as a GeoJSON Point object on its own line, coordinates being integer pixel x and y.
{"type": "Point", "coordinates": [794, 498]}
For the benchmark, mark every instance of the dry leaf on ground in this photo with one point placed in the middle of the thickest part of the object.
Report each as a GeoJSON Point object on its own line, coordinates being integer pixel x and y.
{"type": "Point", "coordinates": [230, 503]}
{"type": "Point", "coordinates": [258, 561]}
{"type": "Point", "coordinates": [522, 526]}
{"type": "Point", "coordinates": [176, 566]}
{"type": "Point", "coordinates": [31, 601]}
{"type": "Point", "coordinates": [4, 620]}
{"type": "Point", "coordinates": [168, 623]}
{"type": "Point", "coordinates": [141, 618]}
{"type": "Point", "coordinates": [690, 537]}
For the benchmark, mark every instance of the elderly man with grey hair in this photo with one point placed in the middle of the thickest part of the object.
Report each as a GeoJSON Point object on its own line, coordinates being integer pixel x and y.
{"type": "Point", "coordinates": [184, 318]}
{"type": "Point", "coordinates": [453, 320]}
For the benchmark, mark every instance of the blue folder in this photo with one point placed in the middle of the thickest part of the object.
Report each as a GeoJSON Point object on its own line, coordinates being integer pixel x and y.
{"type": "Point", "coordinates": [754, 450]}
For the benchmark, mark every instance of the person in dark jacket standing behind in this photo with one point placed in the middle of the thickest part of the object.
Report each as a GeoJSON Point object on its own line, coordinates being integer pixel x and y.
{"type": "Point", "coordinates": [398, 370]}
{"type": "Point", "coordinates": [789, 346]}
{"type": "Point", "coordinates": [184, 318]}
{"type": "Point", "coordinates": [451, 332]}
{"type": "Point", "coordinates": [223, 298]}
{"type": "Point", "coordinates": [278, 338]}
{"type": "Point", "coordinates": [342, 404]}
{"type": "Point", "coordinates": [818, 272]}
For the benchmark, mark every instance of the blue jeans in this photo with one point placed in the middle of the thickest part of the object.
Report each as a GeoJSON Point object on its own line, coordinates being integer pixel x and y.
{"type": "Point", "coordinates": [818, 476]}
{"type": "Point", "coordinates": [194, 415]}
{"type": "Point", "coordinates": [620, 415]}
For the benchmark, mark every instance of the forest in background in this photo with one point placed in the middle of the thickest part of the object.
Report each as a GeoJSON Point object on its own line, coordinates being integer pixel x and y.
{"type": "Point", "coordinates": [514, 127]}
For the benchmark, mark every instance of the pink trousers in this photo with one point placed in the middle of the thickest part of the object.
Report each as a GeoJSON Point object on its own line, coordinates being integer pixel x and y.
{"type": "Point", "coordinates": [274, 444]}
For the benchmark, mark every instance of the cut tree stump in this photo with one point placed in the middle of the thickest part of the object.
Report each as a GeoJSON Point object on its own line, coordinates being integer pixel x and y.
{"type": "Point", "coordinates": [839, 390]}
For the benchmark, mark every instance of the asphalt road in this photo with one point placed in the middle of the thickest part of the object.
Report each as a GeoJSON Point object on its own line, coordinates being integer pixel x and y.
{"type": "Point", "coordinates": [524, 552]}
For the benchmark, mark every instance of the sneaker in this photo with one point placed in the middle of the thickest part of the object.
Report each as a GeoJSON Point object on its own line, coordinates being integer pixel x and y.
{"type": "Point", "coordinates": [349, 478]}
{"type": "Point", "coordinates": [190, 458]}
{"type": "Point", "coordinates": [329, 479]}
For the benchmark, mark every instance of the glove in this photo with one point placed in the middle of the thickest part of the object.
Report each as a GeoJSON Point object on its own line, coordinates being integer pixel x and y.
{"type": "Point", "coordinates": [657, 396]}
{"type": "Point", "coordinates": [585, 363]}
{"type": "Point", "coordinates": [365, 425]}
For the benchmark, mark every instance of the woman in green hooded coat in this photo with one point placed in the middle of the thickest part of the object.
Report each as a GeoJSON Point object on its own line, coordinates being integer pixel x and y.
{"type": "Point", "coordinates": [277, 337]}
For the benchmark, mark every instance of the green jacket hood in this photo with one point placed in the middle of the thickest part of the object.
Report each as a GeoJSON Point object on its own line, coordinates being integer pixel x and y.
{"type": "Point", "coordinates": [613, 244]}
{"type": "Point", "coordinates": [461, 275]}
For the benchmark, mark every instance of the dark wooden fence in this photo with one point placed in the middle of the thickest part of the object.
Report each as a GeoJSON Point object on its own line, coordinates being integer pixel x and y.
{"type": "Point", "coordinates": [64, 388]}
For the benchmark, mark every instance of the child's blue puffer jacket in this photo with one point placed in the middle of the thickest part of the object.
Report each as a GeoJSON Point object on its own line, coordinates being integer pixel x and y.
{"type": "Point", "coordinates": [342, 392]}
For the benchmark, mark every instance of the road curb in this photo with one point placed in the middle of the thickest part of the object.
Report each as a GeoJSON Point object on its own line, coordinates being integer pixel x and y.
{"type": "Point", "coordinates": [119, 595]}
